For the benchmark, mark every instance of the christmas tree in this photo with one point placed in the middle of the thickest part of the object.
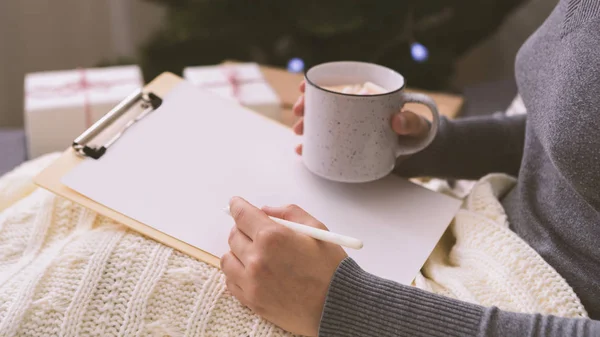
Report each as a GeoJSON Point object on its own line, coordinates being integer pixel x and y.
{"type": "Point", "coordinates": [421, 39]}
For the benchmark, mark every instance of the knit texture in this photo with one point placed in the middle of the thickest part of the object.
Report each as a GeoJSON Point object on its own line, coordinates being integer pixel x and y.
{"type": "Point", "coordinates": [554, 207]}
{"type": "Point", "coordinates": [578, 13]}
{"type": "Point", "coordinates": [553, 149]}
{"type": "Point", "coordinates": [479, 261]}
{"type": "Point", "coordinates": [65, 271]}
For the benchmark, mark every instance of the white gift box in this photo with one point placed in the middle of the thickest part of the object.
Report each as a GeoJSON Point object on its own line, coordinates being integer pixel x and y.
{"type": "Point", "coordinates": [242, 82]}
{"type": "Point", "coordinates": [60, 105]}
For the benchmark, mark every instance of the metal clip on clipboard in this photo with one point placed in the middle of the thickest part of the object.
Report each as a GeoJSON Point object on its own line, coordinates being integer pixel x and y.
{"type": "Point", "coordinates": [147, 101]}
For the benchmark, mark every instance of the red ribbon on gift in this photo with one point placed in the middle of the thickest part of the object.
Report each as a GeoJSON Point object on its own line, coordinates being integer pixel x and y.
{"type": "Point", "coordinates": [231, 76]}
{"type": "Point", "coordinates": [82, 85]}
{"type": "Point", "coordinates": [233, 80]}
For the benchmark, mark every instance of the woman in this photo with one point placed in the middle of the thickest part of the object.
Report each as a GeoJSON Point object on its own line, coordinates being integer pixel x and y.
{"type": "Point", "coordinates": [555, 208]}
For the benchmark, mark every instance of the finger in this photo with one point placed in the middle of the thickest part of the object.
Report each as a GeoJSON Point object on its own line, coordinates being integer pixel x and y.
{"type": "Point", "coordinates": [298, 107]}
{"type": "Point", "coordinates": [232, 267]}
{"type": "Point", "coordinates": [302, 86]}
{"type": "Point", "coordinates": [408, 123]}
{"type": "Point", "coordinates": [299, 127]}
{"type": "Point", "coordinates": [295, 214]}
{"type": "Point", "coordinates": [248, 218]}
{"type": "Point", "coordinates": [239, 244]}
{"type": "Point", "coordinates": [299, 149]}
{"type": "Point", "coordinates": [236, 291]}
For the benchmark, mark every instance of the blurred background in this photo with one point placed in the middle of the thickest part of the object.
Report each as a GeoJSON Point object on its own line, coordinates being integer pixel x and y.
{"type": "Point", "coordinates": [465, 47]}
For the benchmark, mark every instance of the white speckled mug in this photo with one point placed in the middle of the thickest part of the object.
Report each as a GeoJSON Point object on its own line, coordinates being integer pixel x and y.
{"type": "Point", "coordinates": [349, 138]}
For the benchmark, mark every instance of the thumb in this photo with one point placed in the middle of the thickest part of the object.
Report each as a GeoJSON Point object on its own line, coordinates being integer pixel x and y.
{"type": "Point", "coordinates": [295, 214]}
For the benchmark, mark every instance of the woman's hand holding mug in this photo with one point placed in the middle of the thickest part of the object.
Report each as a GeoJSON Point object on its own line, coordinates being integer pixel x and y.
{"type": "Point", "coordinates": [352, 119]}
{"type": "Point", "coordinates": [405, 122]}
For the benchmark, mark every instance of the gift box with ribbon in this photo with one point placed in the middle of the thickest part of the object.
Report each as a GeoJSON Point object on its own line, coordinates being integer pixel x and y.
{"type": "Point", "coordinates": [243, 82]}
{"type": "Point", "coordinates": [60, 105]}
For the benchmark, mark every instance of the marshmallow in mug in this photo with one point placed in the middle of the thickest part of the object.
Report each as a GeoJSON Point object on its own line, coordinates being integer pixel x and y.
{"type": "Point", "coordinates": [367, 88]}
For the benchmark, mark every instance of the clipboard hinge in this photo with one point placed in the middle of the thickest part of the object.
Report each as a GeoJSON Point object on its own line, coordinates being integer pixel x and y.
{"type": "Point", "coordinates": [146, 100]}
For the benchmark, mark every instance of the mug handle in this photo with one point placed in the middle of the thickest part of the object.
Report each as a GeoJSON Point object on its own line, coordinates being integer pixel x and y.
{"type": "Point", "coordinates": [416, 145]}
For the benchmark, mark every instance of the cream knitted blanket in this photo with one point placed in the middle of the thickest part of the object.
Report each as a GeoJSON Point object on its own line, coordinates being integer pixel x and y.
{"type": "Point", "coordinates": [65, 271]}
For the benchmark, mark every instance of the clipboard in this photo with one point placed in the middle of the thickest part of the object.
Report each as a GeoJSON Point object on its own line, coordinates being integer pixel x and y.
{"type": "Point", "coordinates": [398, 208]}
{"type": "Point", "coordinates": [106, 129]}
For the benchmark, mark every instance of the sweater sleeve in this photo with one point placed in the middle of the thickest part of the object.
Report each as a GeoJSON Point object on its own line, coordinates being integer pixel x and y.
{"type": "Point", "coordinates": [469, 148]}
{"type": "Point", "coordinates": [361, 304]}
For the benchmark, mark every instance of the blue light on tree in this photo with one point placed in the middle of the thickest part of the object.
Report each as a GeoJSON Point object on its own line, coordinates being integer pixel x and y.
{"type": "Point", "coordinates": [419, 52]}
{"type": "Point", "coordinates": [295, 65]}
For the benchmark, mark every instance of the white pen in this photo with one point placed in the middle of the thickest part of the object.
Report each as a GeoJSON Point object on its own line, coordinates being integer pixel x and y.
{"type": "Point", "coordinates": [316, 233]}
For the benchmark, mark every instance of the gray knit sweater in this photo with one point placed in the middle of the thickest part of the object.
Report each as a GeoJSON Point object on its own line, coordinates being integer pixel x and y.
{"type": "Point", "coordinates": [555, 206]}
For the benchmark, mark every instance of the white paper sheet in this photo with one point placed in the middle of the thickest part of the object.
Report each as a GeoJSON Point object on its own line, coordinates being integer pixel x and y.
{"type": "Point", "coordinates": [176, 170]}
